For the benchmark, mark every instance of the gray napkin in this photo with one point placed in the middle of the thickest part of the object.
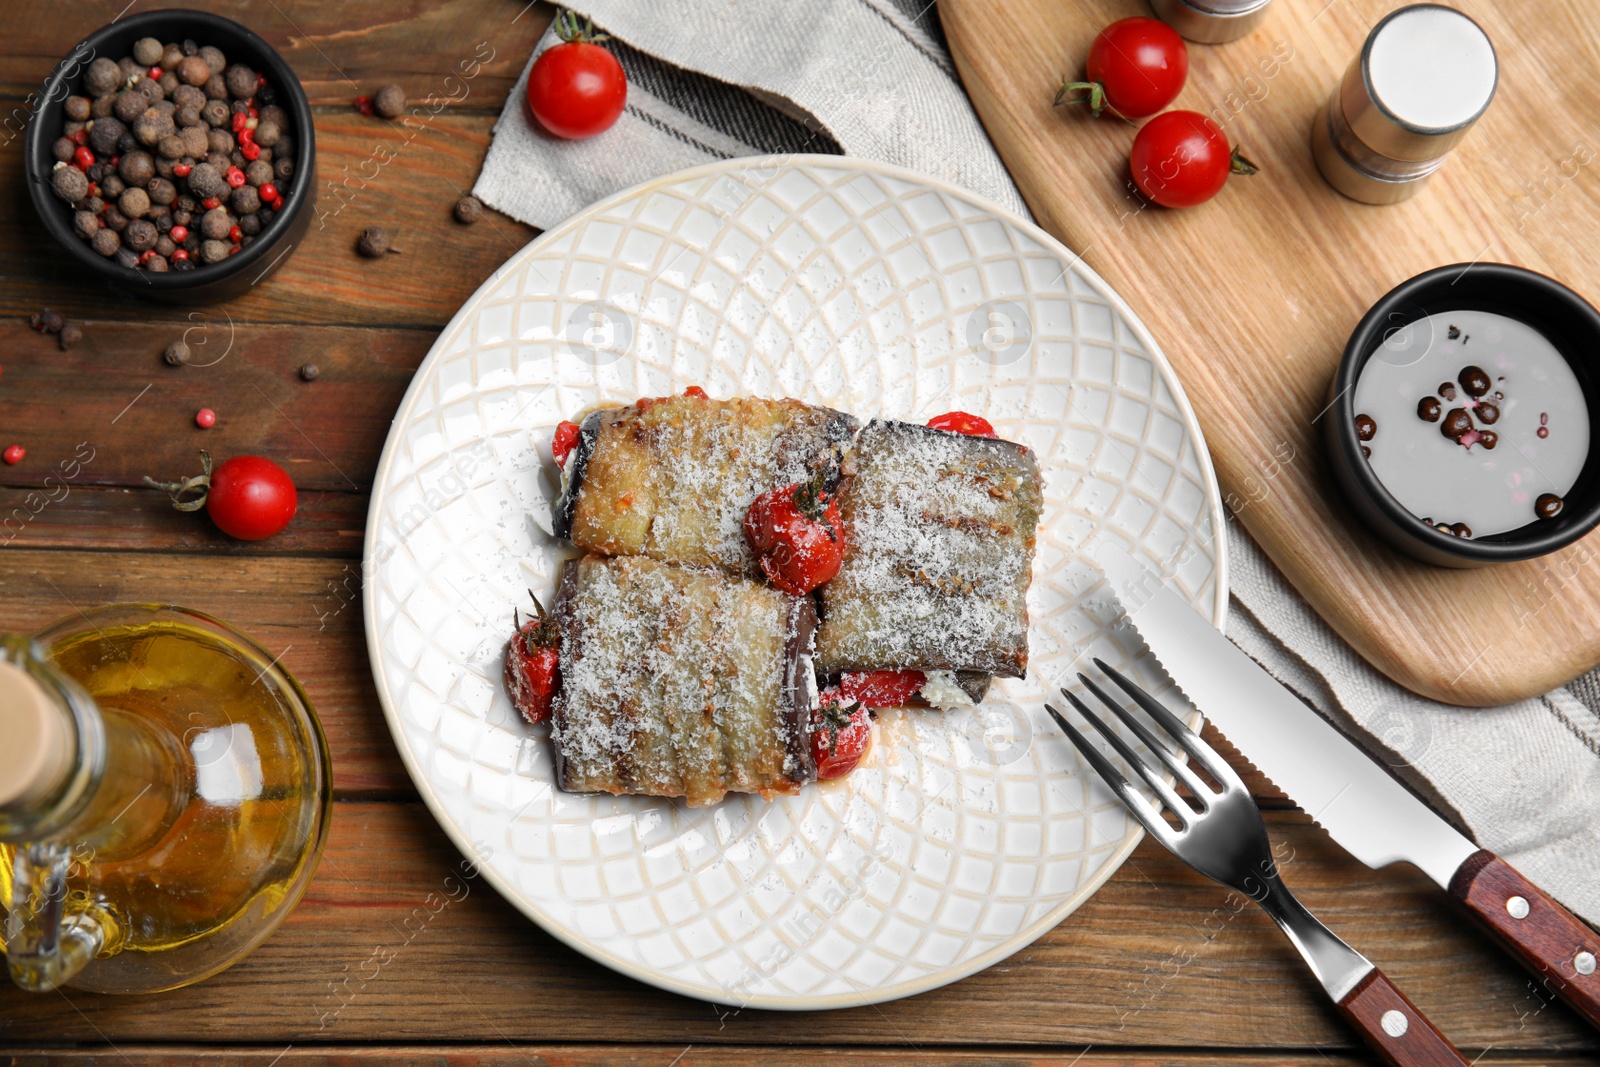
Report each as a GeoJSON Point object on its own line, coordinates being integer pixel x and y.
{"type": "Point", "coordinates": [872, 78]}
{"type": "Point", "coordinates": [727, 78]}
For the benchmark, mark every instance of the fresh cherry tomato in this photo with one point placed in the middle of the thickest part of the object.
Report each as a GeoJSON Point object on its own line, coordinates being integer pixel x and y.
{"type": "Point", "coordinates": [839, 735]}
{"type": "Point", "coordinates": [251, 498]}
{"type": "Point", "coordinates": [961, 422]}
{"type": "Point", "coordinates": [797, 535]}
{"type": "Point", "coordinates": [1136, 67]}
{"type": "Point", "coordinates": [1182, 158]}
{"type": "Point", "coordinates": [881, 689]}
{"type": "Point", "coordinates": [577, 89]}
{"type": "Point", "coordinates": [564, 441]}
{"type": "Point", "coordinates": [533, 664]}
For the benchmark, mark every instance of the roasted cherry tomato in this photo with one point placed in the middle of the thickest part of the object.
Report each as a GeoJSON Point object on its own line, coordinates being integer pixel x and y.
{"type": "Point", "coordinates": [1182, 158]}
{"type": "Point", "coordinates": [1136, 67]}
{"type": "Point", "coordinates": [881, 689]}
{"type": "Point", "coordinates": [577, 89]}
{"type": "Point", "coordinates": [563, 441]}
{"type": "Point", "coordinates": [962, 422]}
{"type": "Point", "coordinates": [839, 735]}
{"type": "Point", "coordinates": [533, 663]}
{"type": "Point", "coordinates": [797, 535]}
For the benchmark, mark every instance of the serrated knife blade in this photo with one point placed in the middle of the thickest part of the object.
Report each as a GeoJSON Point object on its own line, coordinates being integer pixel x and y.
{"type": "Point", "coordinates": [1369, 813]}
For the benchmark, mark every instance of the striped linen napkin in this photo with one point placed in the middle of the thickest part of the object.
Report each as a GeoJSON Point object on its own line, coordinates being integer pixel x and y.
{"type": "Point", "coordinates": [873, 78]}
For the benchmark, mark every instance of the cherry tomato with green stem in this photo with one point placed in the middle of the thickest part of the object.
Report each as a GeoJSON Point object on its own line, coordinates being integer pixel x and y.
{"type": "Point", "coordinates": [1136, 67]}
{"type": "Point", "coordinates": [1182, 158]}
{"type": "Point", "coordinates": [577, 89]}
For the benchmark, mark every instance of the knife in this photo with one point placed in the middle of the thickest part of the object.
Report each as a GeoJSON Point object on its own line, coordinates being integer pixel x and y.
{"type": "Point", "coordinates": [1369, 813]}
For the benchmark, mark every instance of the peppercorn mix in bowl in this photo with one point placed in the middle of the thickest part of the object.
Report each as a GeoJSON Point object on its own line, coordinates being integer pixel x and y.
{"type": "Point", "coordinates": [187, 178]}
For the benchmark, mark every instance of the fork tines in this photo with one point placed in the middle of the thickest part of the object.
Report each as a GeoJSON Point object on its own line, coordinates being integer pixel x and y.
{"type": "Point", "coordinates": [1187, 739]}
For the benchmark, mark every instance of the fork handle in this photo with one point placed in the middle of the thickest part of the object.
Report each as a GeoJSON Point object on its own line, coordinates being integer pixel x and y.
{"type": "Point", "coordinates": [1557, 948]}
{"type": "Point", "coordinates": [1400, 1034]}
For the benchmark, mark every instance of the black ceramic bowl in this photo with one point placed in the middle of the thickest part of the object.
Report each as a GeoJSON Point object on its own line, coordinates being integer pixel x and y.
{"type": "Point", "coordinates": [1569, 323]}
{"type": "Point", "coordinates": [206, 284]}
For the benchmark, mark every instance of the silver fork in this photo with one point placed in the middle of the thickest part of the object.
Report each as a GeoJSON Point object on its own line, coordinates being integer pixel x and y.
{"type": "Point", "coordinates": [1227, 842]}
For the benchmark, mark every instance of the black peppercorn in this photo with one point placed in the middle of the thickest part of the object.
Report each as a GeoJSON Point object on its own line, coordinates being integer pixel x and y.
{"type": "Point", "coordinates": [47, 320]}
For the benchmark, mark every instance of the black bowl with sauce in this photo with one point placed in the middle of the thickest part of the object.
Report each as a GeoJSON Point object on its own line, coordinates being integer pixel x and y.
{"type": "Point", "coordinates": [1565, 319]}
{"type": "Point", "coordinates": [205, 284]}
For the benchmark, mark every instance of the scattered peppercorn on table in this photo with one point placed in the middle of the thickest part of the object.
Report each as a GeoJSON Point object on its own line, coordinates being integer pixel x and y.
{"type": "Point", "coordinates": [400, 951]}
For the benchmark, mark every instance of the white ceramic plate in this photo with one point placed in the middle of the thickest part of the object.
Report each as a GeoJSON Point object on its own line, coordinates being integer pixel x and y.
{"type": "Point", "coordinates": [964, 836]}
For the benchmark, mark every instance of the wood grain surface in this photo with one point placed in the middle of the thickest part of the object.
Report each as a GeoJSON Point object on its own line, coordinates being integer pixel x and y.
{"type": "Point", "coordinates": [1253, 295]}
{"type": "Point", "coordinates": [1160, 968]}
{"type": "Point", "coordinates": [391, 944]}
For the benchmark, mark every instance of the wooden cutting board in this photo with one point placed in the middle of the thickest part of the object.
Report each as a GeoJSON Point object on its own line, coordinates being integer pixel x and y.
{"type": "Point", "coordinates": [1253, 295]}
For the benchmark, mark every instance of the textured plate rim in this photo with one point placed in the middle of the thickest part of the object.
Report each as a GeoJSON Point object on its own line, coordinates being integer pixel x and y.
{"type": "Point", "coordinates": [935, 980]}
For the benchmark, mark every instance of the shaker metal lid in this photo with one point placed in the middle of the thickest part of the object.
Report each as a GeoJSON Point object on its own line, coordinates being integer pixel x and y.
{"type": "Point", "coordinates": [37, 749]}
{"type": "Point", "coordinates": [1424, 76]}
{"type": "Point", "coordinates": [1211, 21]}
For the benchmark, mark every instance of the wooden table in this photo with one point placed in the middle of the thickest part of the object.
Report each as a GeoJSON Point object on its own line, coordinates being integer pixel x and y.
{"type": "Point", "coordinates": [1160, 967]}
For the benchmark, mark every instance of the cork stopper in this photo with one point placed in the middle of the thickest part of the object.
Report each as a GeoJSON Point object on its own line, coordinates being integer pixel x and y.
{"type": "Point", "coordinates": [37, 751]}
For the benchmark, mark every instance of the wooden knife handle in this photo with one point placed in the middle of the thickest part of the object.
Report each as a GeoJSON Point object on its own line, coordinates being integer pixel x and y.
{"type": "Point", "coordinates": [1400, 1034]}
{"type": "Point", "coordinates": [1551, 942]}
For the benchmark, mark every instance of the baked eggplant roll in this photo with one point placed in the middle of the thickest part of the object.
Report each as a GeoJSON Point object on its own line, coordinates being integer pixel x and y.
{"type": "Point", "coordinates": [671, 478]}
{"type": "Point", "coordinates": [939, 539]}
{"type": "Point", "coordinates": [681, 682]}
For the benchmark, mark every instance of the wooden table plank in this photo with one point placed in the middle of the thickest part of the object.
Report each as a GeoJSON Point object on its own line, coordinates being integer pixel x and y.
{"type": "Point", "coordinates": [115, 407]}
{"type": "Point", "coordinates": [54, 514]}
{"type": "Point", "coordinates": [337, 53]}
{"type": "Point", "coordinates": [1156, 959]}
{"type": "Point", "coordinates": [543, 1055]}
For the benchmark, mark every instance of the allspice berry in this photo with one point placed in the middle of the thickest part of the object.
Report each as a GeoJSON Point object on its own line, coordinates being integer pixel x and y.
{"type": "Point", "coordinates": [102, 76]}
{"type": "Point", "coordinates": [309, 372]}
{"type": "Point", "coordinates": [469, 209]}
{"type": "Point", "coordinates": [134, 203]}
{"type": "Point", "coordinates": [70, 184]}
{"type": "Point", "coordinates": [147, 51]}
{"type": "Point", "coordinates": [106, 242]}
{"type": "Point", "coordinates": [194, 70]}
{"type": "Point", "coordinates": [374, 242]}
{"type": "Point", "coordinates": [71, 334]}
{"type": "Point", "coordinates": [389, 101]}
{"type": "Point", "coordinates": [176, 355]}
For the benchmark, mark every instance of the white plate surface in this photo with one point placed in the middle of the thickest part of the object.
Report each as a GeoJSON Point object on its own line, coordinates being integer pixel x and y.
{"type": "Point", "coordinates": [964, 836]}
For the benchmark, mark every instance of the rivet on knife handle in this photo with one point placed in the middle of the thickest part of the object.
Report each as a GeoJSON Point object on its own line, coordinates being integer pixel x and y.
{"type": "Point", "coordinates": [1558, 948]}
{"type": "Point", "coordinates": [1393, 1026]}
